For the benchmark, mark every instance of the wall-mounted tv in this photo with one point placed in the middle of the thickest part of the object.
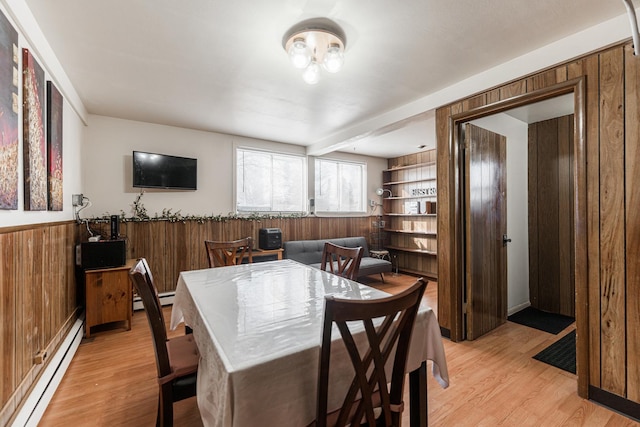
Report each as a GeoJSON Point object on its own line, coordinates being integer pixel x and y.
{"type": "Point", "coordinates": [151, 170]}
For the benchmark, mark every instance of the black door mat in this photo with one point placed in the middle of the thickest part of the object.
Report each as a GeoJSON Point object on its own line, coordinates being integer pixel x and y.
{"type": "Point", "coordinates": [538, 319]}
{"type": "Point", "coordinates": [561, 354]}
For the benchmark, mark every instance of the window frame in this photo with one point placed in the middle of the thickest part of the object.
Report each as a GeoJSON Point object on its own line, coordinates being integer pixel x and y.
{"type": "Point", "coordinates": [272, 153]}
{"type": "Point", "coordinates": [363, 171]}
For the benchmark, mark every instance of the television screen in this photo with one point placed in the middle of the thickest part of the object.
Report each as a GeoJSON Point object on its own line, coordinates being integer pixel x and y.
{"type": "Point", "coordinates": [152, 170]}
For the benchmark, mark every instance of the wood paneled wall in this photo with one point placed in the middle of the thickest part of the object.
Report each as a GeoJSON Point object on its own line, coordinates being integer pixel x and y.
{"type": "Point", "coordinates": [172, 247]}
{"type": "Point", "coordinates": [37, 303]}
{"type": "Point", "coordinates": [550, 156]}
{"type": "Point", "coordinates": [611, 241]}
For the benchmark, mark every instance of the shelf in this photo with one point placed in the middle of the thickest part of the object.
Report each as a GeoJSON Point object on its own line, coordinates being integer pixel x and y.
{"type": "Point", "coordinates": [408, 181]}
{"type": "Point", "coordinates": [415, 251]}
{"type": "Point", "coordinates": [411, 197]}
{"type": "Point", "coordinates": [421, 233]}
{"type": "Point", "coordinates": [403, 214]}
{"type": "Point", "coordinates": [419, 165]}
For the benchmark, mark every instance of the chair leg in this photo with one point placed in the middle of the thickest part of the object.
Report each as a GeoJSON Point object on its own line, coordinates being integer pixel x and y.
{"type": "Point", "coordinates": [159, 411]}
{"type": "Point", "coordinates": [382, 277]}
{"type": "Point", "coordinates": [165, 409]}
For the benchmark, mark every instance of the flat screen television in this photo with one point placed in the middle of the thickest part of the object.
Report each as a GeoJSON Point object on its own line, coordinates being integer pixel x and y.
{"type": "Point", "coordinates": [151, 170]}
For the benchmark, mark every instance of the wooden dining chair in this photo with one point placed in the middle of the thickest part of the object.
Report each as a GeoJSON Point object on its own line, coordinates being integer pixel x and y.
{"type": "Point", "coordinates": [221, 254]}
{"type": "Point", "coordinates": [342, 261]}
{"type": "Point", "coordinates": [176, 358]}
{"type": "Point", "coordinates": [386, 343]}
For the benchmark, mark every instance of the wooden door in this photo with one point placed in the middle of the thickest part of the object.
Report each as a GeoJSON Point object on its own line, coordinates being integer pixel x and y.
{"type": "Point", "coordinates": [486, 224]}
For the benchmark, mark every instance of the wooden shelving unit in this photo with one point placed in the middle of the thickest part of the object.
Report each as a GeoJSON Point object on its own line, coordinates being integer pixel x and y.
{"type": "Point", "coordinates": [410, 214]}
{"type": "Point", "coordinates": [426, 233]}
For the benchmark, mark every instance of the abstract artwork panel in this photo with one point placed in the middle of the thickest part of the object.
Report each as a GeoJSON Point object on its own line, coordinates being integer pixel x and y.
{"type": "Point", "coordinates": [34, 149]}
{"type": "Point", "coordinates": [9, 105]}
{"type": "Point", "coordinates": [54, 147]}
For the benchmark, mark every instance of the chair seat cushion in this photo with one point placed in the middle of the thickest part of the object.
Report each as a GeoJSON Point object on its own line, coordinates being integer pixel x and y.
{"type": "Point", "coordinates": [183, 355]}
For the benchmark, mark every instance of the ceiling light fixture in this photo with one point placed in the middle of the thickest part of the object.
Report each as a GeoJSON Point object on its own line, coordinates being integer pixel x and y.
{"type": "Point", "coordinates": [314, 43]}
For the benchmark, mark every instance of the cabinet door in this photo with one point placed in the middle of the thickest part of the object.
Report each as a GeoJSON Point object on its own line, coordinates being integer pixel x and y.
{"type": "Point", "coordinates": [108, 296]}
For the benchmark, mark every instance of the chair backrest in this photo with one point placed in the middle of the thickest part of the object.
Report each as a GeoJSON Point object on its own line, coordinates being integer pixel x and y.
{"type": "Point", "coordinates": [221, 254]}
{"type": "Point", "coordinates": [368, 390]}
{"type": "Point", "coordinates": [142, 280]}
{"type": "Point", "coordinates": [342, 261]}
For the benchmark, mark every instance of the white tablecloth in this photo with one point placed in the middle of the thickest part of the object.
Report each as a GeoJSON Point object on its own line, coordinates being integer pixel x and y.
{"type": "Point", "coordinates": [258, 328]}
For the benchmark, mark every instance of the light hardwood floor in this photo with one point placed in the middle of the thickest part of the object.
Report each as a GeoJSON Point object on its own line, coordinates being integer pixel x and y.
{"type": "Point", "coordinates": [494, 381]}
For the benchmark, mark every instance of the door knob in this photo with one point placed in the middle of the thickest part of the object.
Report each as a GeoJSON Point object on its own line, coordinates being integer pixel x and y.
{"type": "Point", "coordinates": [505, 240]}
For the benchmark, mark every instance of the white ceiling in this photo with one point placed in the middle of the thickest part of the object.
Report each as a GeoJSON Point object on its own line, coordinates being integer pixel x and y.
{"type": "Point", "coordinates": [219, 65]}
{"type": "Point", "coordinates": [544, 110]}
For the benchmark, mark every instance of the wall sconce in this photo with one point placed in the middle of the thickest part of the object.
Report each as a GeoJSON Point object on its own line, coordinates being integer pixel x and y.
{"type": "Point", "coordinates": [380, 192]}
{"type": "Point", "coordinates": [313, 43]}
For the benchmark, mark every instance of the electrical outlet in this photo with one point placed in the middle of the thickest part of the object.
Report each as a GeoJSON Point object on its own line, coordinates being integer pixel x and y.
{"type": "Point", "coordinates": [372, 203]}
{"type": "Point", "coordinates": [76, 199]}
{"type": "Point", "coordinates": [40, 357]}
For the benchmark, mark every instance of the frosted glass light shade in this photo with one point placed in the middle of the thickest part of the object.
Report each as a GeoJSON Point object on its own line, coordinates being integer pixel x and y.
{"type": "Point", "coordinates": [333, 59]}
{"type": "Point", "coordinates": [299, 53]}
{"type": "Point", "coordinates": [311, 75]}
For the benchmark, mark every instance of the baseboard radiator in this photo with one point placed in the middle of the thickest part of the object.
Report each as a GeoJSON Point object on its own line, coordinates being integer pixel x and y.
{"type": "Point", "coordinates": [165, 299]}
{"type": "Point", "coordinates": [35, 404]}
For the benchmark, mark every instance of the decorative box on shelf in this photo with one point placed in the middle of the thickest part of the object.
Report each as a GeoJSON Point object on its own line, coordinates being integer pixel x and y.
{"type": "Point", "coordinates": [412, 207]}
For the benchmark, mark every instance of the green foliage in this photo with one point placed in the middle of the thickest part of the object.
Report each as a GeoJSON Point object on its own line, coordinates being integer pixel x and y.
{"type": "Point", "coordinates": [139, 214]}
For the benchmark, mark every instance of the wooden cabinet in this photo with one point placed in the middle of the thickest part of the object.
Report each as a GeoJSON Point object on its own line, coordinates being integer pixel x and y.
{"type": "Point", "coordinates": [108, 296]}
{"type": "Point", "coordinates": [409, 213]}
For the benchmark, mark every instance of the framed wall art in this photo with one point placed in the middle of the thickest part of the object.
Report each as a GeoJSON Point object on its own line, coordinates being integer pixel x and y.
{"type": "Point", "coordinates": [9, 77]}
{"type": "Point", "coordinates": [34, 150]}
{"type": "Point", "coordinates": [54, 147]}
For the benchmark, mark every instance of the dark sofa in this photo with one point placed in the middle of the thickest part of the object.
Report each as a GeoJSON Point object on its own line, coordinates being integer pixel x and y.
{"type": "Point", "coordinates": [310, 252]}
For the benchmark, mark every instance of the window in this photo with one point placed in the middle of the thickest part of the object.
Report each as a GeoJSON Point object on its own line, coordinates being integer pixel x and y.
{"type": "Point", "coordinates": [340, 186]}
{"type": "Point", "coordinates": [270, 182]}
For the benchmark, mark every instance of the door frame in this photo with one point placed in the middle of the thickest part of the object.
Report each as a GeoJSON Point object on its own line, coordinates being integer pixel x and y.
{"type": "Point", "coordinates": [577, 87]}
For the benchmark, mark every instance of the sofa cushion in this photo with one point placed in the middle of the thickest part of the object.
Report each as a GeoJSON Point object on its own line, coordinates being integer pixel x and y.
{"type": "Point", "coordinates": [310, 252]}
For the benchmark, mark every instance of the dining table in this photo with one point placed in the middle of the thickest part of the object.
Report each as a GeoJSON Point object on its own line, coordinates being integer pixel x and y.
{"type": "Point", "coordinates": [258, 328]}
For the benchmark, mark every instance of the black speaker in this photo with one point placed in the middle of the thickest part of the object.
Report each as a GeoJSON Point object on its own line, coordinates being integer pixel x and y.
{"type": "Point", "coordinates": [101, 254]}
{"type": "Point", "coordinates": [115, 227]}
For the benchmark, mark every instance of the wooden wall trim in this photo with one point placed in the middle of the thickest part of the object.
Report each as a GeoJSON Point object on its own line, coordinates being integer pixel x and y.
{"type": "Point", "coordinates": [613, 401]}
{"type": "Point", "coordinates": [632, 220]}
{"type": "Point", "coordinates": [15, 228]}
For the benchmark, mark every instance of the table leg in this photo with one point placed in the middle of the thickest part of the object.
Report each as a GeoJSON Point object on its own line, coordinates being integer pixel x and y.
{"type": "Point", "coordinates": [418, 396]}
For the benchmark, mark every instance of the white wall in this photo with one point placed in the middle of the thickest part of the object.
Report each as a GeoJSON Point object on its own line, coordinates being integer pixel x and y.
{"type": "Point", "coordinates": [73, 129]}
{"type": "Point", "coordinates": [516, 132]}
{"type": "Point", "coordinates": [106, 165]}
